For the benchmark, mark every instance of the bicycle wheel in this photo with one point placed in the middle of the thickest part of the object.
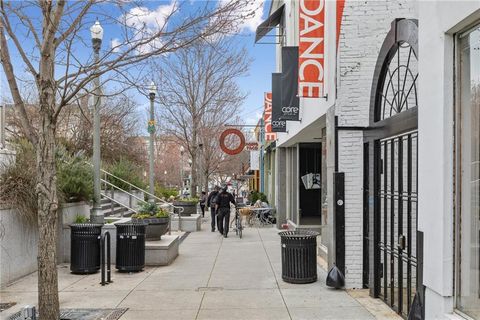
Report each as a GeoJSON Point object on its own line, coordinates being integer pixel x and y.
{"type": "Point", "coordinates": [239, 226]}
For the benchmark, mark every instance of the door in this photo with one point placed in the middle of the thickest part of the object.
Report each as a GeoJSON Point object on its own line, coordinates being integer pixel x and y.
{"type": "Point", "coordinates": [397, 212]}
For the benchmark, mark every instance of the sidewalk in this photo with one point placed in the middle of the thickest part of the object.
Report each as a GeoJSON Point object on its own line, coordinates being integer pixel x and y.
{"type": "Point", "coordinates": [212, 278]}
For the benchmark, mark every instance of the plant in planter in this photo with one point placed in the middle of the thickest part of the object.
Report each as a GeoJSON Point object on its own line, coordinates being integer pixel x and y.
{"type": "Point", "coordinates": [189, 205]}
{"type": "Point", "coordinates": [156, 219]}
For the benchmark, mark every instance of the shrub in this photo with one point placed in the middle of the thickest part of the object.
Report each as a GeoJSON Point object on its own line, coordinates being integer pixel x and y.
{"type": "Point", "coordinates": [74, 177]}
{"type": "Point", "coordinates": [18, 182]}
{"type": "Point", "coordinates": [128, 171]}
{"type": "Point", "coordinates": [189, 200]}
{"type": "Point", "coordinates": [255, 195]}
{"type": "Point", "coordinates": [166, 193]}
{"type": "Point", "coordinates": [149, 210]}
{"type": "Point", "coordinates": [80, 219]}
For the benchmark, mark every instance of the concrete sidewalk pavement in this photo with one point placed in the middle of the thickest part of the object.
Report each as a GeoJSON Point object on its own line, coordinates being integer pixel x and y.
{"type": "Point", "coordinates": [212, 278]}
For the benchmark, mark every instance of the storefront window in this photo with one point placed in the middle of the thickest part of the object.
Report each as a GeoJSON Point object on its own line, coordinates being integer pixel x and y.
{"type": "Point", "coordinates": [468, 285]}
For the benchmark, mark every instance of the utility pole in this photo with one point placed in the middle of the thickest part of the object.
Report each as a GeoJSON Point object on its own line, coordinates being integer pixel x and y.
{"type": "Point", "coordinates": [96, 215]}
{"type": "Point", "coordinates": [151, 130]}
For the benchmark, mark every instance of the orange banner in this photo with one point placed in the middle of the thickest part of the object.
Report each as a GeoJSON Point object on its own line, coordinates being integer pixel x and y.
{"type": "Point", "coordinates": [311, 49]}
{"type": "Point", "coordinates": [267, 118]}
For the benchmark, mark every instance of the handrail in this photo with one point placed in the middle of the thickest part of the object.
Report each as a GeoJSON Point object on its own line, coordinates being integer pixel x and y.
{"type": "Point", "coordinates": [120, 189]}
{"type": "Point", "coordinates": [119, 203]}
{"type": "Point", "coordinates": [136, 188]}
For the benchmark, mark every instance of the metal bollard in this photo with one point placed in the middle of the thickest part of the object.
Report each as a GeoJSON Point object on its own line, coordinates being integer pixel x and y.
{"type": "Point", "coordinates": [102, 259]}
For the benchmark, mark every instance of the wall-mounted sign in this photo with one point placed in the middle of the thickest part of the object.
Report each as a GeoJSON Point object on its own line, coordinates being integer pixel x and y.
{"type": "Point", "coordinates": [267, 118]}
{"type": "Point", "coordinates": [278, 124]}
{"type": "Point", "coordinates": [251, 146]}
{"type": "Point", "coordinates": [227, 149]}
{"type": "Point", "coordinates": [290, 101]}
{"type": "Point", "coordinates": [311, 49]}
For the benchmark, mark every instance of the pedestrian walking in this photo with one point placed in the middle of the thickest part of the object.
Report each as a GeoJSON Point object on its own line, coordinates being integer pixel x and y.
{"type": "Point", "coordinates": [203, 200]}
{"type": "Point", "coordinates": [211, 201]}
{"type": "Point", "coordinates": [224, 198]}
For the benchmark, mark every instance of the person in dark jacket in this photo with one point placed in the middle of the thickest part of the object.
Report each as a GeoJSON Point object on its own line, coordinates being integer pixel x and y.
{"type": "Point", "coordinates": [223, 201]}
{"type": "Point", "coordinates": [211, 204]}
{"type": "Point", "coordinates": [203, 200]}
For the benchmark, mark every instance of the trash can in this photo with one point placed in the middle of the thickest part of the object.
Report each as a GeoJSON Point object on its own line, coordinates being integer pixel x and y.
{"type": "Point", "coordinates": [130, 246]}
{"type": "Point", "coordinates": [85, 247]}
{"type": "Point", "coordinates": [299, 256]}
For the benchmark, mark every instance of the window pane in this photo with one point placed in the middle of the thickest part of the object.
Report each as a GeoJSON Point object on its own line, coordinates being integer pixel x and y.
{"type": "Point", "coordinates": [468, 294]}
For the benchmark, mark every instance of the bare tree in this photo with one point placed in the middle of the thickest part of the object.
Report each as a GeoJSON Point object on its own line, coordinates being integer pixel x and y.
{"type": "Point", "coordinates": [49, 39]}
{"type": "Point", "coordinates": [199, 93]}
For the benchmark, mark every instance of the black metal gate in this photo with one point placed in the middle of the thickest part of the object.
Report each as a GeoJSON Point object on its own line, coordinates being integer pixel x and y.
{"type": "Point", "coordinates": [390, 182]}
{"type": "Point", "coordinates": [397, 212]}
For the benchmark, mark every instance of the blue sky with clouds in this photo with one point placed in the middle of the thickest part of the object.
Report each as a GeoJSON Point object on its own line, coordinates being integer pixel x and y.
{"type": "Point", "coordinates": [255, 83]}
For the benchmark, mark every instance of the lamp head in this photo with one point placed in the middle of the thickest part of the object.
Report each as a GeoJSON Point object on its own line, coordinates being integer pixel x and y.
{"type": "Point", "coordinates": [152, 89]}
{"type": "Point", "coordinates": [96, 31]}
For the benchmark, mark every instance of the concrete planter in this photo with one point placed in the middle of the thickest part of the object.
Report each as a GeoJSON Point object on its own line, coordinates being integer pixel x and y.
{"type": "Point", "coordinates": [156, 227]}
{"type": "Point", "coordinates": [19, 241]}
{"type": "Point", "coordinates": [189, 208]}
{"type": "Point", "coordinates": [71, 210]}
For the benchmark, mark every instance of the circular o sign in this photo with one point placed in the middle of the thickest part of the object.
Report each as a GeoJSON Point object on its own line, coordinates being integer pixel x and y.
{"type": "Point", "coordinates": [227, 150]}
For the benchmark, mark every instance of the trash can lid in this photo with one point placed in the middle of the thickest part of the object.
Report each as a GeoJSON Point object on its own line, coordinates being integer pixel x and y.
{"type": "Point", "coordinates": [86, 225]}
{"type": "Point", "coordinates": [299, 233]}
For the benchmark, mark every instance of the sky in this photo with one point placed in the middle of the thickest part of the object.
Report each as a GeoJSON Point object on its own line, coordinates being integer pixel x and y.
{"type": "Point", "coordinates": [255, 83]}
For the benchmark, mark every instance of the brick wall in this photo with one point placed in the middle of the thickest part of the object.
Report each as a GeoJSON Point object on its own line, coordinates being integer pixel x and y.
{"type": "Point", "coordinates": [364, 27]}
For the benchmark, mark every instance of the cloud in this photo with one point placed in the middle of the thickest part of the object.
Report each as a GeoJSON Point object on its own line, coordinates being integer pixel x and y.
{"type": "Point", "coordinates": [147, 23]}
{"type": "Point", "coordinates": [143, 17]}
{"type": "Point", "coordinates": [253, 10]}
{"type": "Point", "coordinates": [115, 44]}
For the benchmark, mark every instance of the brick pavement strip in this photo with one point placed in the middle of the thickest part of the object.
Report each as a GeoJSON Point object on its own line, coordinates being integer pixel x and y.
{"type": "Point", "coordinates": [212, 278]}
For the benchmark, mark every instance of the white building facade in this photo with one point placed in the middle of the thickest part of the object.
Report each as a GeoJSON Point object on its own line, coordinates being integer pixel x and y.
{"type": "Point", "coordinates": [398, 134]}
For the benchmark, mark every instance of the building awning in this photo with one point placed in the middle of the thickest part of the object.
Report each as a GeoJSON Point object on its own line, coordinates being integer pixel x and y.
{"type": "Point", "coordinates": [266, 26]}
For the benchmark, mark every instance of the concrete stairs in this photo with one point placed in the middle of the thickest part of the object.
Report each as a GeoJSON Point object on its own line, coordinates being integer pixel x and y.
{"type": "Point", "coordinates": [113, 209]}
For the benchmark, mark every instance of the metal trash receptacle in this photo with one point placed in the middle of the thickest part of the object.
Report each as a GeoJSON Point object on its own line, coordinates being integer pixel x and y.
{"type": "Point", "coordinates": [299, 256]}
{"type": "Point", "coordinates": [85, 247]}
{"type": "Point", "coordinates": [130, 247]}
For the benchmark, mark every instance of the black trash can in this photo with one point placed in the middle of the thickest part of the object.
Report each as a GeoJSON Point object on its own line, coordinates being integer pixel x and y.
{"type": "Point", "coordinates": [299, 256]}
{"type": "Point", "coordinates": [130, 247]}
{"type": "Point", "coordinates": [85, 247]}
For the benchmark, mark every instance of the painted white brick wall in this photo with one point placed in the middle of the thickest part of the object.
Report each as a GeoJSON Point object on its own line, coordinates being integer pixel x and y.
{"type": "Point", "coordinates": [364, 27]}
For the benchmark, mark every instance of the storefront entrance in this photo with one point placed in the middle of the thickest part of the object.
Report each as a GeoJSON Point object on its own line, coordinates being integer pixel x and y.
{"type": "Point", "coordinates": [391, 240]}
{"type": "Point", "coordinates": [310, 162]}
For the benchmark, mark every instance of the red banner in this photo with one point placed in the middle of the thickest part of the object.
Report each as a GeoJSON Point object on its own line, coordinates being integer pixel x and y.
{"type": "Point", "coordinates": [267, 118]}
{"type": "Point", "coordinates": [311, 49]}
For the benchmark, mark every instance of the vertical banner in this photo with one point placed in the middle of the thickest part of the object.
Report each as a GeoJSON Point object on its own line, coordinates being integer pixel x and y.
{"type": "Point", "coordinates": [278, 125]}
{"type": "Point", "coordinates": [267, 118]}
{"type": "Point", "coordinates": [290, 101]}
{"type": "Point", "coordinates": [311, 50]}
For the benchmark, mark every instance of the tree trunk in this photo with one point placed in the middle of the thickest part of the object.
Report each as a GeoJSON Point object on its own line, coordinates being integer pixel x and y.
{"type": "Point", "coordinates": [205, 185]}
{"type": "Point", "coordinates": [47, 222]}
{"type": "Point", "coordinates": [48, 303]}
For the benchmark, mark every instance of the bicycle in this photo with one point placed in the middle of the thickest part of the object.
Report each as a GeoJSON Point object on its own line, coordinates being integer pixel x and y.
{"type": "Point", "coordinates": [238, 223]}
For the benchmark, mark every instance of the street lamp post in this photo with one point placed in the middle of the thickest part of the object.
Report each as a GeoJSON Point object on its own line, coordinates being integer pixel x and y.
{"type": "Point", "coordinates": [96, 215]}
{"type": "Point", "coordinates": [190, 178]}
{"type": "Point", "coordinates": [182, 150]}
{"type": "Point", "coordinates": [151, 129]}
{"type": "Point", "coordinates": [200, 166]}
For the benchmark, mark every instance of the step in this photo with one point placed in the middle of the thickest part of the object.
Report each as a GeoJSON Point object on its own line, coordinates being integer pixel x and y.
{"type": "Point", "coordinates": [116, 211]}
{"type": "Point", "coordinates": [107, 206]}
